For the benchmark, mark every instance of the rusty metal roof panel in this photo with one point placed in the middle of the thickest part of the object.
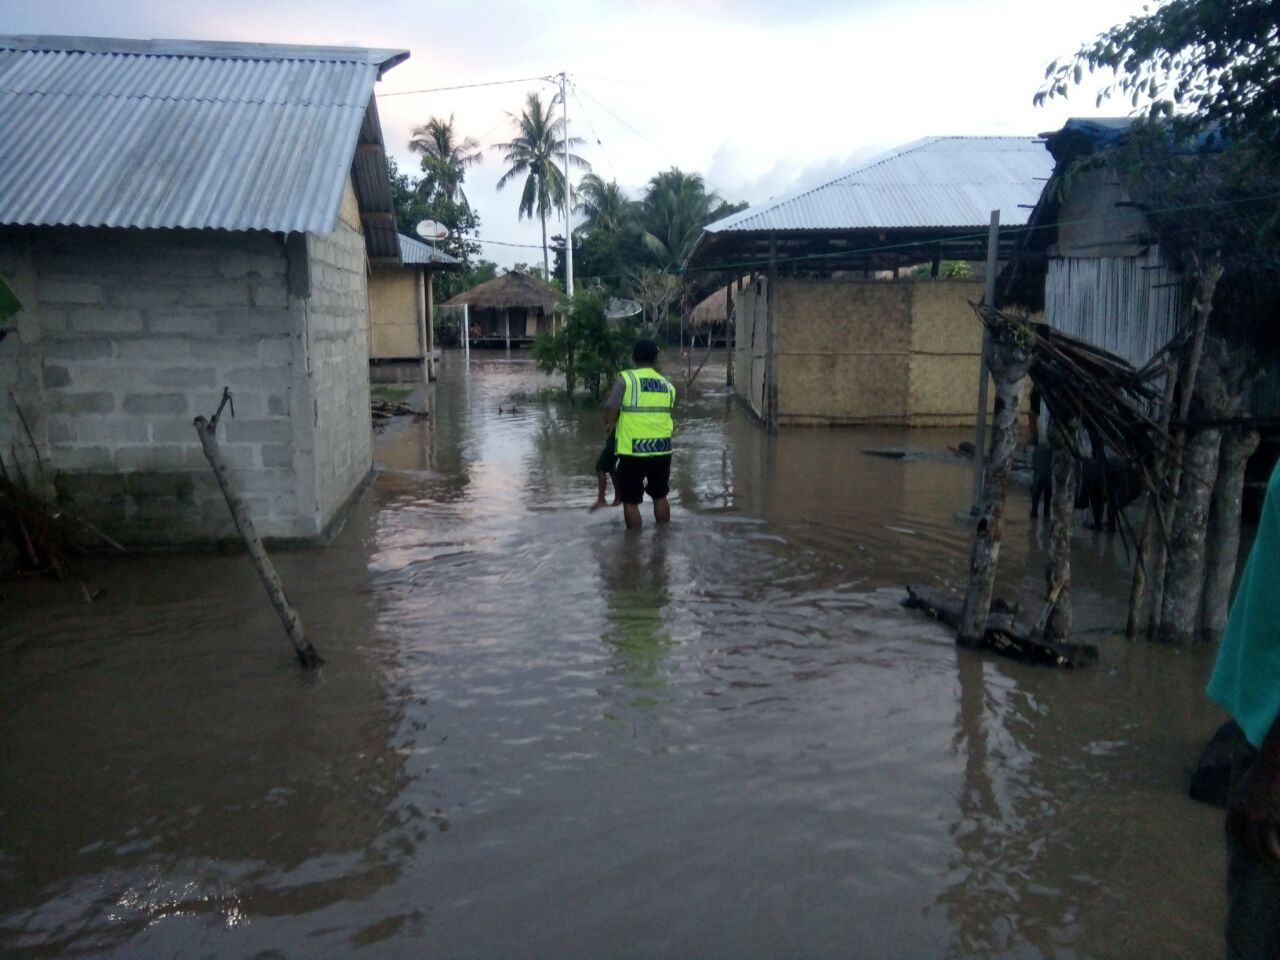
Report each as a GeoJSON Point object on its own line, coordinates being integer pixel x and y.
{"type": "Point", "coordinates": [937, 182]}
{"type": "Point", "coordinates": [97, 132]}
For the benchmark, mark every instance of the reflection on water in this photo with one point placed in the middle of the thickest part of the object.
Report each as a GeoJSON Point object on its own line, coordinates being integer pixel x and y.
{"type": "Point", "coordinates": [537, 736]}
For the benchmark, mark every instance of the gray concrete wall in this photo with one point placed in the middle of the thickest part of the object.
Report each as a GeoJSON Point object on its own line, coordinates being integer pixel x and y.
{"type": "Point", "coordinates": [339, 443]}
{"type": "Point", "coordinates": [127, 335]}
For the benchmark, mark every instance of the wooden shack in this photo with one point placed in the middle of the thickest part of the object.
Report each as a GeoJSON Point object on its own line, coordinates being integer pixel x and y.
{"type": "Point", "coordinates": [835, 328]}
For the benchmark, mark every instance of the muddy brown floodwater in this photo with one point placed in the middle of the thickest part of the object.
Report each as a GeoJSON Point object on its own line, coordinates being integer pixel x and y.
{"type": "Point", "coordinates": [539, 737]}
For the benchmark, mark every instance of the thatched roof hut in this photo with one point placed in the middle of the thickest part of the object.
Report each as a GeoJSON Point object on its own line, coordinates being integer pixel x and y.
{"type": "Point", "coordinates": [501, 309]}
{"type": "Point", "coordinates": [511, 289]}
{"type": "Point", "coordinates": [710, 310]}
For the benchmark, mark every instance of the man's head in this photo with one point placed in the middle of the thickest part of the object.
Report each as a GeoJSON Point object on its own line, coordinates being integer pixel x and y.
{"type": "Point", "coordinates": [645, 352]}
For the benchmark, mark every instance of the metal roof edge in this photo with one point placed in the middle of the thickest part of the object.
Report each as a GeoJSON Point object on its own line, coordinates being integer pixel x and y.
{"type": "Point", "coordinates": [383, 58]}
{"type": "Point", "coordinates": [876, 160]}
{"type": "Point", "coordinates": [437, 259]}
{"type": "Point", "coordinates": [884, 157]}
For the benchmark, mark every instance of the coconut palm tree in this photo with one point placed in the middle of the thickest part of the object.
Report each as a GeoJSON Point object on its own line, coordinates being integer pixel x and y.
{"type": "Point", "coordinates": [675, 208]}
{"type": "Point", "coordinates": [536, 152]}
{"type": "Point", "coordinates": [444, 158]}
{"type": "Point", "coordinates": [604, 205]}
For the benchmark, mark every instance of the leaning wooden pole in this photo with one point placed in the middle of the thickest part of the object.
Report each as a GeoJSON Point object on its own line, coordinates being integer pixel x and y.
{"type": "Point", "coordinates": [1057, 574]}
{"type": "Point", "coordinates": [1008, 351]}
{"type": "Point", "coordinates": [208, 433]}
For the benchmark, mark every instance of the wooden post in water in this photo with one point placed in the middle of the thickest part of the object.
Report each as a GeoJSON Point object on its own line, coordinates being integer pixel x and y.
{"type": "Point", "coordinates": [431, 326]}
{"type": "Point", "coordinates": [1008, 360]}
{"type": "Point", "coordinates": [984, 372]}
{"type": "Point", "coordinates": [771, 344]}
{"type": "Point", "coordinates": [728, 335]}
{"type": "Point", "coordinates": [1057, 574]}
{"type": "Point", "coordinates": [1238, 445]}
{"type": "Point", "coordinates": [207, 431]}
{"type": "Point", "coordinates": [1137, 590]}
{"type": "Point", "coordinates": [1179, 612]}
{"type": "Point", "coordinates": [1207, 277]}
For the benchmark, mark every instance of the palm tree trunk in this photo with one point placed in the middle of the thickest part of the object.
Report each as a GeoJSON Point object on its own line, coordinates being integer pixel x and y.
{"type": "Point", "coordinates": [546, 264]}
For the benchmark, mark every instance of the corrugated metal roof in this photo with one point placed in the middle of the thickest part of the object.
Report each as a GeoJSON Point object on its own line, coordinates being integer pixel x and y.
{"type": "Point", "coordinates": [176, 133]}
{"type": "Point", "coordinates": [416, 252]}
{"type": "Point", "coordinates": [937, 182]}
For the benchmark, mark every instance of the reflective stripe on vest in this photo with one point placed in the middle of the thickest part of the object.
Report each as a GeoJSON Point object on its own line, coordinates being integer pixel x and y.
{"type": "Point", "coordinates": [644, 419]}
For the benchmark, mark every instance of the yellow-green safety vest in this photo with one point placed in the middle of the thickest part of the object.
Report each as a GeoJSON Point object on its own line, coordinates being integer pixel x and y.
{"type": "Point", "coordinates": [644, 419]}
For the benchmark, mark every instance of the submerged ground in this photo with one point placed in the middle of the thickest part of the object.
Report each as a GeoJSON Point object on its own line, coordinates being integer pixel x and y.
{"type": "Point", "coordinates": [539, 737]}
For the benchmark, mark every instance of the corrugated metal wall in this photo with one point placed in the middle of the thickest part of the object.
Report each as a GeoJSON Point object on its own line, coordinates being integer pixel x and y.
{"type": "Point", "coordinates": [1128, 305]}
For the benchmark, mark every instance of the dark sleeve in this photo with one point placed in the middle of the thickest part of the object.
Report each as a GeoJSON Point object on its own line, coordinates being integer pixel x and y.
{"type": "Point", "coordinates": [614, 401]}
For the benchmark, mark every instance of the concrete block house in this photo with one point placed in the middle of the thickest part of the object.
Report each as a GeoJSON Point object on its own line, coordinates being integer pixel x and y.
{"type": "Point", "coordinates": [176, 217]}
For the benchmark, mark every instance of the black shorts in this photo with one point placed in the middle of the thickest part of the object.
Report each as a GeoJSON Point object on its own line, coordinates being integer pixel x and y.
{"type": "Point", "coordinates": [607, 462]}
{"type": "Point", "coordinates": [640, 475]}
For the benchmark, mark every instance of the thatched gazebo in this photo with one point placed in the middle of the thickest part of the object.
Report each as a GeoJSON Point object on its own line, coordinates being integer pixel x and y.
{"type": "Point", "coordinates": [512, 308]}
{"type": "Point", "coordinates": [711, 312]}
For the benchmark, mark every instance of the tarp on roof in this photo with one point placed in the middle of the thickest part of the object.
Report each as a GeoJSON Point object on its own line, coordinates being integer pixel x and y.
{"type": "Point", "coordinates": [179, 133]}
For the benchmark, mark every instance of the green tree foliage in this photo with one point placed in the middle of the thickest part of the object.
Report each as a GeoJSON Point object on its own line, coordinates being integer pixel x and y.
{"type": "Point", "coordinates": [1198, 62]}
{"type": "Point", "coordinates": [536, 152]}
{"type": "Point", "coordinates": [445, 158]}
{"type": "Point", "coordinates": [589, 349]}
{"type": "Point", "coordinates": [1201, 66]}
{"type": "Point", "coordinates": [622, 239]}
{"type": "Point", "coordinates": [675, 208]}
{"type": "Point", "coordinates": [415, 200]}
{"type": "Point", "coordinates": [604, 207]}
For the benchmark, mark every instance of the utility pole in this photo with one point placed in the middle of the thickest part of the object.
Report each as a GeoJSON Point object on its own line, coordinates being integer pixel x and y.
{"type": "Point", "coordinates": [568, 191]}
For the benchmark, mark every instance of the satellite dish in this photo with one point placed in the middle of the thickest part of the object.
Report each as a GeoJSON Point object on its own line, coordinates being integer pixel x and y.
{"type": "Point", "coordinates": [431, 230]}
{"type": "Point", "coordinates": [619, 309]}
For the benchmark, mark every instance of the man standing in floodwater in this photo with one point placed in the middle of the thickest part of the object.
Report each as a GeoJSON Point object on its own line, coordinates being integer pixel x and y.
{"type": "Point", "coordinates": [640, 403]}
{"type": "Point", "coordinates": [1246, 680]}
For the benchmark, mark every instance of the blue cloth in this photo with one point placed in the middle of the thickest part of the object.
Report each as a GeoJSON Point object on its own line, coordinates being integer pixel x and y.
{"type": "Point", "coordinates": [1246, 676]}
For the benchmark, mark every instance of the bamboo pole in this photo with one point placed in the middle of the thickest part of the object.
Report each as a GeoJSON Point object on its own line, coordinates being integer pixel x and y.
{"type": "Point", "coordinates": [207, 430]}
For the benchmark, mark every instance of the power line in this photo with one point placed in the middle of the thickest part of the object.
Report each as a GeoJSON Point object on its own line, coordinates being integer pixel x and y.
{"type": "Point", "coordinates": [723, 194]}
{"type": "Point", "coordinates": [506, 243]}
{"type": "Point", "coordinates": [607, 159]}
{"type": "Point", "coordinates": [463, 86]}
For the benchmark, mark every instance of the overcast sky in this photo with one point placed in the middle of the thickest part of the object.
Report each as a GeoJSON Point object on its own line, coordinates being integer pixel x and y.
{"type": "Point", "coordinates": [759, 96]}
